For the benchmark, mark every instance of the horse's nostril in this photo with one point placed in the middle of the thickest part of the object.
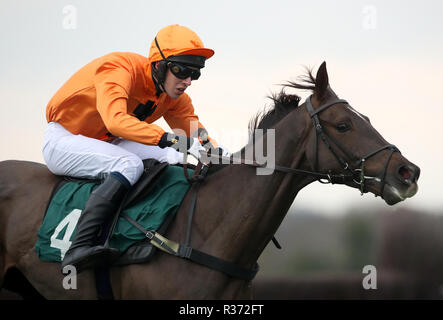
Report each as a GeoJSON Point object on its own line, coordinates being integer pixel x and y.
{"type": "Point", "coordinates": [404, 172]}
{"type": "Point", "coordinates": [409, 173]}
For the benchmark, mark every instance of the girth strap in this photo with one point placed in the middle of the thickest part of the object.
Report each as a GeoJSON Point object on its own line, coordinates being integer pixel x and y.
{"type": "Point", "coordinates": [197, 256]}
{"type": "Point", "coordinates": [218, 264]}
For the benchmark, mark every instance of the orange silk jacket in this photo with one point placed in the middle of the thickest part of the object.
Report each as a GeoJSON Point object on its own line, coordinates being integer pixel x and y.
{"type": "Point", "coordinates": [100, 99]}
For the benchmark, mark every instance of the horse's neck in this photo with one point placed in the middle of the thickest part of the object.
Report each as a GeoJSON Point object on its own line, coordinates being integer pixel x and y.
{"type": "Point", "coordinates": [239, 211]}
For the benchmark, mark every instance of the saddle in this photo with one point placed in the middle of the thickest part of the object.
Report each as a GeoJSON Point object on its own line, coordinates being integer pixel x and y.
{"type": "Point", "coordinates": [140, 251]}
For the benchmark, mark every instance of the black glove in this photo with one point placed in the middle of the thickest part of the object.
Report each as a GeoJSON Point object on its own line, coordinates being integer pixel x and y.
{"type": "Point", "coordinates": [182, 144]}
{"type": "Point", "coordinates": [174, 141]}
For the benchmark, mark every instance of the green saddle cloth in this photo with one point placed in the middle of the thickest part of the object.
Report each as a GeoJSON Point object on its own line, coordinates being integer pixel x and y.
{"type": "Point", "coordinates": [59, 225]}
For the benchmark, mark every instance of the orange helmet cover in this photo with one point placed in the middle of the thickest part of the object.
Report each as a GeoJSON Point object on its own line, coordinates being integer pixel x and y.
{"type": "Point", "coordinates": [176, 39]}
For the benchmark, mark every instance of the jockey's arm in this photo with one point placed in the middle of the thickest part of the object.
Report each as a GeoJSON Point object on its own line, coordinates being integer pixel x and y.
{"type": "Point", "coordinates": [113, 83]}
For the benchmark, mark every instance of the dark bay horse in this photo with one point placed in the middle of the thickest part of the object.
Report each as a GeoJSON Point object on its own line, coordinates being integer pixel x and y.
{"type": "Point", "coordinates": [237, 211]}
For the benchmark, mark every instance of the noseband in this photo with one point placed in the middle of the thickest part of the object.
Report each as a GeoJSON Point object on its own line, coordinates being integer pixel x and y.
{"type": "Point", "coordinates": [358, 175]}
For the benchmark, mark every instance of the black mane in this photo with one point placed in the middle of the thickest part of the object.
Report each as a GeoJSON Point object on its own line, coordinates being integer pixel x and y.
{"type": "Point", "coordinates": [283, 104]}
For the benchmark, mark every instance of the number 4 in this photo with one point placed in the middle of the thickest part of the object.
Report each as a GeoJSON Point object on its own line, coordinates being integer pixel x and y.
{"type": "Point", "coordinates": [70, 221]}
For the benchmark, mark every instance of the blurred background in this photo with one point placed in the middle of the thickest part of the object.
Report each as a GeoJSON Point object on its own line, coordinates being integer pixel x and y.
{"type": "Point", "coordinates": [324, 257]}
{"type": "Point", "coordinates": [383, 57]}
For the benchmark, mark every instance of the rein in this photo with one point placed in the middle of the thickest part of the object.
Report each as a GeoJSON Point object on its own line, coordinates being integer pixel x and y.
{"type": "Point", "coordinates": [350, 174]}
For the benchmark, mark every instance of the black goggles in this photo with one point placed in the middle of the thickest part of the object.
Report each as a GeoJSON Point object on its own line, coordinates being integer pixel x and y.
{"type": "Point", "coordinates": [182, 71]}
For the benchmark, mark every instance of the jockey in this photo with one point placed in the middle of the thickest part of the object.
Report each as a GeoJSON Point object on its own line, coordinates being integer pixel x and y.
{"type": "Point", "coordinates": [100, 125]}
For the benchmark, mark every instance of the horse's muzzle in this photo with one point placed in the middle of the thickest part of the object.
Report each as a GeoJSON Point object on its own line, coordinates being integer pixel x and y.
{"type": "Point", "coordinates": [401, 184]}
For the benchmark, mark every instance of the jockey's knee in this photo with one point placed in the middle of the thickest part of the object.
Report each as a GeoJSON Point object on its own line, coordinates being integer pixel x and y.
{"type": "Point", "coordinates": [131, 168]}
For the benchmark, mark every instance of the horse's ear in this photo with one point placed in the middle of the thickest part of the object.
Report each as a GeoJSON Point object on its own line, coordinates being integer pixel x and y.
{"type": "Point", "coordinates": [321, 81]}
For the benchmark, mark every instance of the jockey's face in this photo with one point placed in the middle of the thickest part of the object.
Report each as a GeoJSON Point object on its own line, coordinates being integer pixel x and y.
{"type": "Point", "coordinates": [174, 86]}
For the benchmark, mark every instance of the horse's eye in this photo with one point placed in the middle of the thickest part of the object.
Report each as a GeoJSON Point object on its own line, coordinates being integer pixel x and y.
{"type": "Point", "coordinates": [343, 127]}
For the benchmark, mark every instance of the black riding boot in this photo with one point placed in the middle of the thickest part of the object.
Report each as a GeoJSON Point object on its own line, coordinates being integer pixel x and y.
{"type": "Point", "coordinates": [102, 204]}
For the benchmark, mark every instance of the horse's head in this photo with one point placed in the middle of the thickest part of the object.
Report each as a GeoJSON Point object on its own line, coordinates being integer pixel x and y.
{"type": "Point", "coordinates": [342, 140]}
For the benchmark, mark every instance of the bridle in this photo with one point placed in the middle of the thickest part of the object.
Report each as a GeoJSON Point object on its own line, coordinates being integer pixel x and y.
{"type": "Point", "coordinates": [351, 174]}
{"type": "Point", "coordinates": [358, 173]}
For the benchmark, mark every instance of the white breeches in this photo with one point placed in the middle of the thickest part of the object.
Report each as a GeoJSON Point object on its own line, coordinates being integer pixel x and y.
{"type": "Point", "coordinates": [82, 157]}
